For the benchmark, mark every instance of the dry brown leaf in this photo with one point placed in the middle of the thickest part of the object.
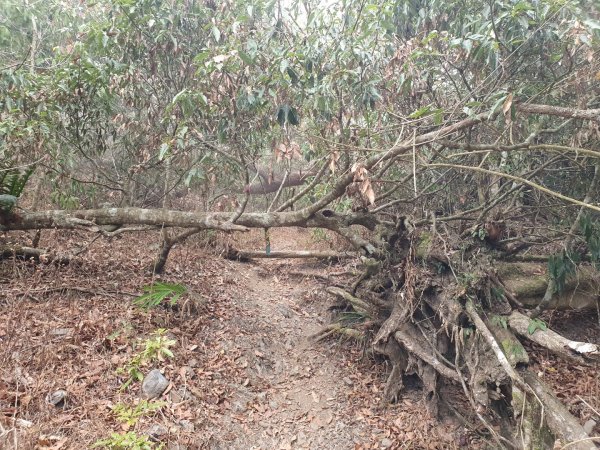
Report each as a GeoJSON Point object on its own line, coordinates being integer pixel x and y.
{"type": "Point", "coordinates": [507, 104]}
{"type": "Point", "coordinates": [332, 162]}
{"type": "Point", "coordinates": [295, 150]}
{"type": "Point", "coordinates": [370, 194]}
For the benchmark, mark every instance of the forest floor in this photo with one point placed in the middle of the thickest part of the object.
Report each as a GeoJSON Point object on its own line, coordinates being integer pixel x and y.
{"type": "Point", "coordinates": [244, 374]}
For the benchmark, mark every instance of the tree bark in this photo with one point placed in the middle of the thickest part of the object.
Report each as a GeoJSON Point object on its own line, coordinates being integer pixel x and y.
{"type": "Point", "coordinates": [168, 218]}
{"type": "Point", "coordinates": [585, 114]}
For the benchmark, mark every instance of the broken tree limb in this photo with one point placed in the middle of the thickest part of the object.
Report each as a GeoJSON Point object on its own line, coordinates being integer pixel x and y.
{"type": "Point", "coordinates": [166, 246]}
{"type": "Point", "coordinates": [269, 183]}
{"type": "Point", "coordinates": [527, 282]}
{"type": "Point", "coordinates": [38, 254]}
{"type": "Point", "coordinates": [249, 254]}
{"type": "Point", "coordinates": [572, 350]}
{"type": "Point", "coordinates": [491, 340]}
{"type": "Point", "coordinates": [306, 189]}
{"type": "Point", "coordinates": [118, 216]}
{"type": "Point", "coordinates": [584, 114]}
{"type": "Point", "coordinates": [559, 419]}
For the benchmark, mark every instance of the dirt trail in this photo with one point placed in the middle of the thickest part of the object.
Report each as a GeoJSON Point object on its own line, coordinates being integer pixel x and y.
{"type": "Point", "coordinates": [305, 403]}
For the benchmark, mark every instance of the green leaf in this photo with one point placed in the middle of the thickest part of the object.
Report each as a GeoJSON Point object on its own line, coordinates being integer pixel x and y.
{"type": "Point", "coordinates": [216, 34]}
{"type": "Point", "coordinates": [293, 118]}
{"type": "Point", "coordinates": [201, 57]}
{"type": "Point", "coordinates": [283, 65]}
{"type": "Point", "coordinates": [499, 321]}
{"type": "Point", "coordinates": [536, 324]}
{"type": "Point", "coordinates": [293, 75]}
{"type": "Point", "coordinates": [496, 106]}
{"type": "Point", "coordinates": [245, 57]}
{"type": "Point", "coordinates": [287, 114]}
{"type": "Point", "coordinates": [425, 110]}
{"type": "Point", "coordinates": [159, 292]}
{"type": "Point", "coordinates": [164, 149]}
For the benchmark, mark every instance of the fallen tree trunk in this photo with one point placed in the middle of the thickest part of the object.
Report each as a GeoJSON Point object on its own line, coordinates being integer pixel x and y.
{"type": "Point", "coordinates": [91, 218]}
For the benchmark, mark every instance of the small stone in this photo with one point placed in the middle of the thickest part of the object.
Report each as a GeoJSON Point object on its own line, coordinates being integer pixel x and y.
{"type": "Point", "coordinates": [154, 384]}
{"type": "Point", "coordinates": [156, 432]}
{"type": "Point", "coordinates": [61, 332]}
{"type": "Point", "coordinates": [57, 398]}
{"type": "Point", "coordinates": [285, 311]}
{"type": "Point", "coordinates": [186, 425]}
{"type": "Point", "coordinates": [588, 427]}
{"type": "Point", "coordinates": [193, 362]}
{"type": "Point", "coordinates": [22, 423]}
{"type": "Point", "coordinates": [348, 381]}
{"type": "Point", "coordinates": [238, 407]}
{"type": "Point", "coordinates": [386, 443]}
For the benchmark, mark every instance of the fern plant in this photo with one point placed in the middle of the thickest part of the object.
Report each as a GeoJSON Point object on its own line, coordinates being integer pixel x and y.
{"type": "Point", "coordinates": [157, 293]}
{"type": "Point", "coordinates": [155, 348]}
{"type": "Point", "coordinates": [127, 441]}
{"type": "Point", "coordinates": [129, 415]}
{"type": "Point", "coordinates": [13, 181]}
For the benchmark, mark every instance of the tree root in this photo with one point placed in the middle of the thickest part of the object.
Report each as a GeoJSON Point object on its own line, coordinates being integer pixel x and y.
{"type": "Point", "coordinates": [359, 305]}
{"type": "Point", "coordinates": [559, 419]}
{"type": "Point", "coordinates": [410, 338]}
{"type": "Point", "coordinates": [339, 329]}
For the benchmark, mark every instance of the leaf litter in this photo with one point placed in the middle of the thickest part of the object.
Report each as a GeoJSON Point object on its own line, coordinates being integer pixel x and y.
{"type": "Point", "coordinates": [243, 376]}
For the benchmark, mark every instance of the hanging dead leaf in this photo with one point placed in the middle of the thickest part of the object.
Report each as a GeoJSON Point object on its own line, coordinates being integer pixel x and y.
{"type": "Point", "coordinates": [370, 194]}
{"type": "Point", "coordinates": [294, 151]}
{"type": "Point", "coordinates": [360, 172]}
{"type": "Point", "coordinates": [507, 104]}
{"type": "Point", "coordinates": [281, 151]}
{"type": "Point", "coordinates": [332, 162]}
